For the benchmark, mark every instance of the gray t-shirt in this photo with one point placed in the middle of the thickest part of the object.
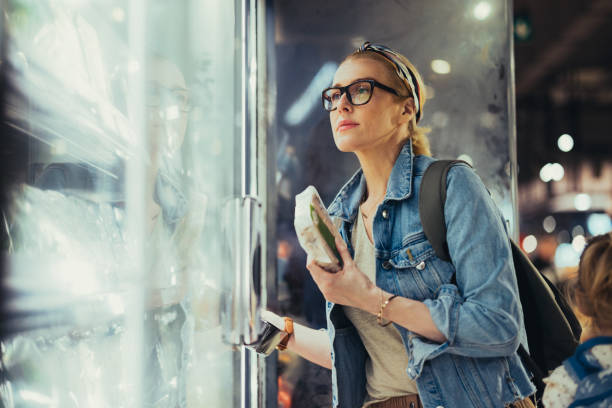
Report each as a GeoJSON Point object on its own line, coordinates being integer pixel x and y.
{"type": "Point", "coordinates": [386, 366]}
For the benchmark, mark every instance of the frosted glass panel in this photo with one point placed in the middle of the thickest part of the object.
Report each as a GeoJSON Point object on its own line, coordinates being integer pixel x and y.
{"type": "Point", "coordinates": [123, 148]}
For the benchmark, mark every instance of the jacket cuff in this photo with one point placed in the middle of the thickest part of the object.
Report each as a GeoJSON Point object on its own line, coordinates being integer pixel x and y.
{"type": "Point", "coordinates": [444, 310]}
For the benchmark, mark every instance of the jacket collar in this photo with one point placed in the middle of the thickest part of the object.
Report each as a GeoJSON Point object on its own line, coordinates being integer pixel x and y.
{"type": "Point", "coordinates": [399, 186]}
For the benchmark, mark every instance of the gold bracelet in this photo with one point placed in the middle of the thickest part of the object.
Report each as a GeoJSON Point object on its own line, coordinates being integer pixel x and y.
{"type": "Point", "coordinates": [379, 317]}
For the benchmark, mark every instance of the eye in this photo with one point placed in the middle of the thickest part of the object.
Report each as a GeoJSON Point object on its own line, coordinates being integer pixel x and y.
{"type": "Point", "coordinates": [334, 95]}
{"type": "Point", "coordinates": [363, 89]}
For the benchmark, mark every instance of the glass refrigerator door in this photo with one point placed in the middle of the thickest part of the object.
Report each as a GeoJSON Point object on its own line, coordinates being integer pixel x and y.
{"type": "Point", "coordinates": [130, 203]}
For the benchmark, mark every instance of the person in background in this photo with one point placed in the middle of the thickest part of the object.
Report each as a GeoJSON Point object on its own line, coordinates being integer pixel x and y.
{"type": "Point", "coordinates": [585, 379]}
{"type": "Point", "coordinates": [456, 327]}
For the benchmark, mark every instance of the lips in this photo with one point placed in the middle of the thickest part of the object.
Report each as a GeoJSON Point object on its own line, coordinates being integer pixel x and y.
{"type": "Point", "coordinates": [346, 125]}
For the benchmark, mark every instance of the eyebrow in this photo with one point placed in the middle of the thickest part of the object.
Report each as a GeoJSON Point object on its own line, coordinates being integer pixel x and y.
{"type": "Point", "coordinates": [337, 85]}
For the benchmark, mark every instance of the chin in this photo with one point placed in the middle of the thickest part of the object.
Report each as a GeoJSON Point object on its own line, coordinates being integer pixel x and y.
{"type": "Point", "coordinates": [345, 143]}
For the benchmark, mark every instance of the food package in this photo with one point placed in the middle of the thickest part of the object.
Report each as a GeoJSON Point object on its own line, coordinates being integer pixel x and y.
{"type": "Point", "coordinates": [316, 231]}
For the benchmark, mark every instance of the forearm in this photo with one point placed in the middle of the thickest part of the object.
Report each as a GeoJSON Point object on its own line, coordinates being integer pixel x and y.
{"type": "Point", "coordinates": [408, 313]}
{"type": "Point", "coordinates": [313, 345]}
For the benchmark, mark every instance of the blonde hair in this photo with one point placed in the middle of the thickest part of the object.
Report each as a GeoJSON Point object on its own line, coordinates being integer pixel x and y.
{"type": "Point", "coordinates": [593, 285]}
{"type": "Point", "coordinates": [418, 134]}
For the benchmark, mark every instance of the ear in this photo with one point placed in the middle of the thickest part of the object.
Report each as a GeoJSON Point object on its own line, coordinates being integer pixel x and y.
{"type": "Point", "coordinates": [408, 110]}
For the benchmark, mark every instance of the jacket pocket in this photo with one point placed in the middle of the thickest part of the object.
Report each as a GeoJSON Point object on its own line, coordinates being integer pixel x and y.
{"type": "Point", "coordinates": [419, 271]}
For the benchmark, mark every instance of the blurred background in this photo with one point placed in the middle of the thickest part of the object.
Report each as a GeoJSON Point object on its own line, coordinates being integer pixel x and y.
{"type": "Point", "coordinates": [564, 105]}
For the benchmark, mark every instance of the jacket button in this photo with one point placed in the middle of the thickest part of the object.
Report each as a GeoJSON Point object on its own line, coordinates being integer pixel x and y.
{"type": "Point", "coordinates": [386, 265]}
{"type": "Point", "coordinates": [385, 214]}
{"type": "Point", "coordinates": [421, 266]}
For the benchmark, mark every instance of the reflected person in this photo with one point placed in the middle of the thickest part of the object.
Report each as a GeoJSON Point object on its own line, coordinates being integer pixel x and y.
{"type": "Point", "coordinates": [172, 226]}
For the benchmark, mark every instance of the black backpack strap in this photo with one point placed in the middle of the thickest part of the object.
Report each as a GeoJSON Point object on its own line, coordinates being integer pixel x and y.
{"type": "Point", "coordinates": [432, 195]}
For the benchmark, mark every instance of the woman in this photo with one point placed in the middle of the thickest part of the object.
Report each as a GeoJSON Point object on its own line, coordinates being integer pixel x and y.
{"type": "Point", "coordinates": [450, 345]}
{"type": "Point", "coordinates": [585, 379]}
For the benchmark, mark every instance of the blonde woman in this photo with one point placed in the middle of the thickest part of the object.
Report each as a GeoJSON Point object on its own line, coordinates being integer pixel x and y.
{"type": "Point", "coordinates": [399, 333]}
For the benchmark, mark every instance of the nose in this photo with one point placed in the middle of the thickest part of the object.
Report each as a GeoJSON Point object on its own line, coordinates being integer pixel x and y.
{"type": "Point", "coordinates": [344, 104]}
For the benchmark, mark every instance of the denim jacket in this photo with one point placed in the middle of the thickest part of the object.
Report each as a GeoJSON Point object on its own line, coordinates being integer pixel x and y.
{"type": "Point", "coordinates": [480, 316]}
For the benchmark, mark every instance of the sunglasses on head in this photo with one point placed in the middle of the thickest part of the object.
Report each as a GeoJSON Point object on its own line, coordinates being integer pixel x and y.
{"type": "Point", "coordinates": [357, 93]}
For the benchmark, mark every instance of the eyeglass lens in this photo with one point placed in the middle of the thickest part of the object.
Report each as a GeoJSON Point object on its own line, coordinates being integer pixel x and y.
{"type": "Point", "coordinates": [358, 93]}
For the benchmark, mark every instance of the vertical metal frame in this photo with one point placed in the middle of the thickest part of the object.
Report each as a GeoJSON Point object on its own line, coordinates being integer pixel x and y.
{"type": "Point", "coordinates": [252, 282]}
{"type": "Point", "coordinates": [512, 170]}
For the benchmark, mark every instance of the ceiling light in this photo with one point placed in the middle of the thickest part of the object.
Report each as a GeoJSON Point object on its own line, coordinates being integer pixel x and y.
{"type": "Point", "coordinates": [578, 243]}
{"type": "Point", "coordinates": [440, 66]}
{"type": "Point", "coordinates": [566, 256]}
{"type": "Point", "coordinates": [582, 202]}
{"type": "Point", "coordinates": [599, 223]}
{"type": "Point", "coordinates": [549, 224]}
{"type": "Point", "coordinates": [565, 142]}
{"type": "Point", "coordinates": [552, 171]}
{"type": "Point", "coordinates": [545, 173]}
{"type": "Point", "coordinates": [482, 10]}
{"type": "Point", "coordinates": [530, 243]}
{"type": "Point", "coordinates": [556, 171]}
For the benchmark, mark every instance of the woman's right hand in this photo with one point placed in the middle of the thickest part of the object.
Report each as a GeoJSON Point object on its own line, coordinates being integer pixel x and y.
{"type": "Point", "coordinates": [309, 343]}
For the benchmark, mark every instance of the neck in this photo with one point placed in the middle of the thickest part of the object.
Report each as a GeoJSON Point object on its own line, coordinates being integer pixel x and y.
{"type": "Point", "coordinates": [377, 163]}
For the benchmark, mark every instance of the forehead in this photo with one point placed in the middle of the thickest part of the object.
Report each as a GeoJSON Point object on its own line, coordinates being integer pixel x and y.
{"type": "Point", "coordinates": [359, 68]}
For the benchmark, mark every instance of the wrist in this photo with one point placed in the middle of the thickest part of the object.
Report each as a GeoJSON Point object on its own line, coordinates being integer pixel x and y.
{"type": "Point", "coordinates": [371, 300]}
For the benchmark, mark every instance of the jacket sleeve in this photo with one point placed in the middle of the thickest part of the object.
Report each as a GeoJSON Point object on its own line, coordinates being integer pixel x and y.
{"type": "Point", "coordinates": [481, 316]}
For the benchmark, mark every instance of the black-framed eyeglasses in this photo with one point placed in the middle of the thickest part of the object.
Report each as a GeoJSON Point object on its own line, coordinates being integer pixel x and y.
{"type": "Point", "coordinates": [357, 93]}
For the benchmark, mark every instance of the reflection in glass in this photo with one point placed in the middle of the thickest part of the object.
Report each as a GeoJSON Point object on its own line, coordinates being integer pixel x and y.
{"type": "Point", "coordinates": [86, 323]}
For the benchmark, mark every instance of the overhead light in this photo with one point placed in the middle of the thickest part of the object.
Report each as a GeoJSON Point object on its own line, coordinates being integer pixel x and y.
{"type": "Point", "coordinates": [582, 202]}
{"type": "Point", "coordinates": [578, 243]}
{"type": "Point", "coordinates": [482, 10]}
{"type": "Point", "coordinates": [566, 256]}
{"type": "Point", "coordinates": [530, 243]}
{"type": "Point", "coordinates": [565, 142]}
{"type": "Point", "coordinates": [549, 224]}
{"type": "Point", "coordinates": [545, 175]}
{"type": "Point", "coordinates": [577, 230]}
{"type": "Point", "coordinates": [552, 171]}
{"type": "Point", "coordinates": [599, 223]}
{"type": "Point", "coordinates": [440, 66]}
{"type": "Point", "coordinates": [302, 107]}
{"type": "Point", "coordinates": [557, 172]}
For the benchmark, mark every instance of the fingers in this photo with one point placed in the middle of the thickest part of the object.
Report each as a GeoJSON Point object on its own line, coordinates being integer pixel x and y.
{"type": "Point", "coordinates": [344, 252]}
{"type": "Point", "coordinates": [315, 270]}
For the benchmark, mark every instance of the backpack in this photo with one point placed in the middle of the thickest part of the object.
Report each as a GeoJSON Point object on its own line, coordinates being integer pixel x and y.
{"type": "Point", "coordinates": [593, 380]}
{"type": "Point", "coordinates": [552, 328]}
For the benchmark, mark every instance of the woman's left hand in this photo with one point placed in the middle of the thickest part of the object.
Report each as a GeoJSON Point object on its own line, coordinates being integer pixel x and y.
{"type": "Point", "coordinates": [349, 286]}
